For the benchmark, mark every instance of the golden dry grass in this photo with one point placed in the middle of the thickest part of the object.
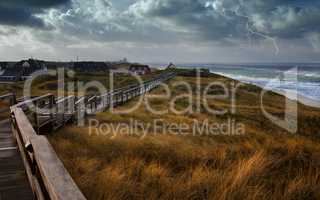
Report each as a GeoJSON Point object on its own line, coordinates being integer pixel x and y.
{"type": "Point", "coordinates": [175, 167]}
{"type": "Point", "coordinates": [264, 163]}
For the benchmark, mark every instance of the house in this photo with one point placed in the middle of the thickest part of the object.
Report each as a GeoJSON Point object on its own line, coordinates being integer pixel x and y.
{"type": "Point", "coordinates": [139, 69]}
{"type": "Point", "coordinates": [57, 65]}
{"type": "Point", "coordinates": [30, 66]}
{"type": "Point", "coordinates": [91, 67]}
{"type": "Point", "coordinates": [21, 70]}
{"type": "Point", "coordinates": [171, 66]}
{"type": "Point", "coordinates": [3, 67]}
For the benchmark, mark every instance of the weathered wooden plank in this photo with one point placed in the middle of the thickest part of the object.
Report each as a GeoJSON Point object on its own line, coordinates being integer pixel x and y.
{"type": "Point", "coordinates": [38, 191]}
{"type": "Point", "coordinates": [13, 180]}
{"type": "Point", "coordinates": [6, 139]}
{"type": "Point", "coordinates": [55, 177]}
{"type": "Point", "coordinates": [25, 159]}
{"type": "Point", "coordinates": [7, 153]}
{"type": "Point", "coordinates": [5, 135]}
{"type": "Point", "coordinates": [6, 142]}
{"type": "Point", "coordinates": [4, 130]}
{"type": "Point", "coordinates": [18, 192]}
{"type": "Point", "coordinates": [24, 125]}
{"type": "Point", "coordinates": [10, 162]}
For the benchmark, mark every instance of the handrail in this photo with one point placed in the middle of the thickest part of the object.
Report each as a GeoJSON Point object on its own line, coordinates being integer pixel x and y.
{"type": "Point", "coordinates": [23, 124]}
{"type": "Point", "coordinates": [61, 100]}
{"type": "Point", "coordinates": [79, 100]}
{"type": "Point", "coordinates": [56, 178]}
{"type": "Point", "coordinates": [29, 101]}
{"type": "Point", "coordinates": [6, 96]}
{"type": "Point", "coordinates": [67, 102]}
{"type": "Point", "coordinates": [46, 173]}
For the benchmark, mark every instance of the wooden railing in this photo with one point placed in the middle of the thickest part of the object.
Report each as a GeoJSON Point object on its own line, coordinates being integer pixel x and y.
{"type": "Point", "coordinates": [102, 102]}
{"type": "Point", "coordinates": [31, 118]}
{"type": "Point", "coordinates": [46, 174]}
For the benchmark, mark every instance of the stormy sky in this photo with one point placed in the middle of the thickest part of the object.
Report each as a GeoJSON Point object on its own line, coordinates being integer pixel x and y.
{"type": "Point", "coordinates": [161, 30]}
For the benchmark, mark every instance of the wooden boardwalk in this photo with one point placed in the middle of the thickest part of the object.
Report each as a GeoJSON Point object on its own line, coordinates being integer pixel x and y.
{"type": "Point", "coordinates": [13, 179]}
{"type": "Point", "coordinates": [29, 166]}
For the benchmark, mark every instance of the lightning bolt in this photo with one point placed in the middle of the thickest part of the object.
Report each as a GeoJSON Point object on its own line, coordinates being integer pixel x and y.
{"type": "Point", "coordinates": [250, 30]}
{"type": "Point", "coordinates": [253, 32]}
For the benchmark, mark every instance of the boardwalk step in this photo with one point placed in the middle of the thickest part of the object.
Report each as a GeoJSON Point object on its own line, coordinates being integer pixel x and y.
{"type": "Point", "coordinates": [5, 136]}
{"type": "Point", "coordinates": [6, 142]}
{"type": "Point", "coordinates": [5, 130]}
{"type": "Point", "coordinates": [7, 153]}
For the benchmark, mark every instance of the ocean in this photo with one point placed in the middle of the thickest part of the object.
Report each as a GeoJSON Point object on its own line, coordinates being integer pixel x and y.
{"type": "Point", "coordinates": [298, 81]}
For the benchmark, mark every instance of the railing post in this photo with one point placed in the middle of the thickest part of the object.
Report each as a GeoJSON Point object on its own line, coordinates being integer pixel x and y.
{"type": "Point", "coordinates": [117, 99]}
{"type": "Point", "coordinates": [106, 103]}
{"type": "Point", "coordinates": [97, 103]}
{"type": "Point", "coordinates": [13, 125]}
{"type": "Point", "coordinates": [74, 105]}
{"type": "Point", "coordinates": [103, 100]}
{"type": "Point", "coordinates": [63, 111]}
{"type": "Point", "coordinates": [52, 107]}
{"type": "Point", "coordinates": [94, 104]}
{"type": "Point", "coordinates": [14, 99]}
{"type": "Point", "coordinates": [74, 109]}
{"type": "Point", "coordinates": [121, 98]}
{"type": "Point", "coordinates": [90, 105]}
{"type": "Point", "coordinates": [81, 111]}
{"type": "Point", "coordinates": [36, 117]}
{"type": "Point", "coordinates": [85, 103]}
{"type": "Point", "coordinates": [111, 101]}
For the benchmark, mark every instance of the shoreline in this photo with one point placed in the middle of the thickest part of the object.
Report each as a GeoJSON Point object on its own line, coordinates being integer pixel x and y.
{"type": "Point", "coordinates": [287, 94]}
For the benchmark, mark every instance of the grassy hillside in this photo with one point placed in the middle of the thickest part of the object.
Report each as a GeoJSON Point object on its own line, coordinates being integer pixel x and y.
{"type": "Point", "coordinates": [266, 162]}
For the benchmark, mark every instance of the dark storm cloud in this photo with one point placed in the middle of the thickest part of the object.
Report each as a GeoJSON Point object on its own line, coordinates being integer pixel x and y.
{"type": "Point", "coordinates": [158, 21]}
{"type": "Point", "coordinates": [202, 21]}
{"type": "Point", "coordinates": [99, 21]}
{"type": "Point", "coordinates": [219, 23]}
{"type": "Point", "coordinates": [32, 3]}
{"type": "Point", "coordinates": [188, 29]}
{"type": "Point", "coordinates": [198, 17]}
{"type": "Point", "coordinates": [23, 12]}
{"type": "Point", "coordinates": [18, 16]}
{"type": "Point", "coordinates": [219, 19]}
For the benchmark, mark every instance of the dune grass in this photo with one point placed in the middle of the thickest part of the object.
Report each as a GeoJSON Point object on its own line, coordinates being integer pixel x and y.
{"type": "Point", "coordinates": [175, 167]}
{"type": "Point", "coordinates": [266, 162]}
